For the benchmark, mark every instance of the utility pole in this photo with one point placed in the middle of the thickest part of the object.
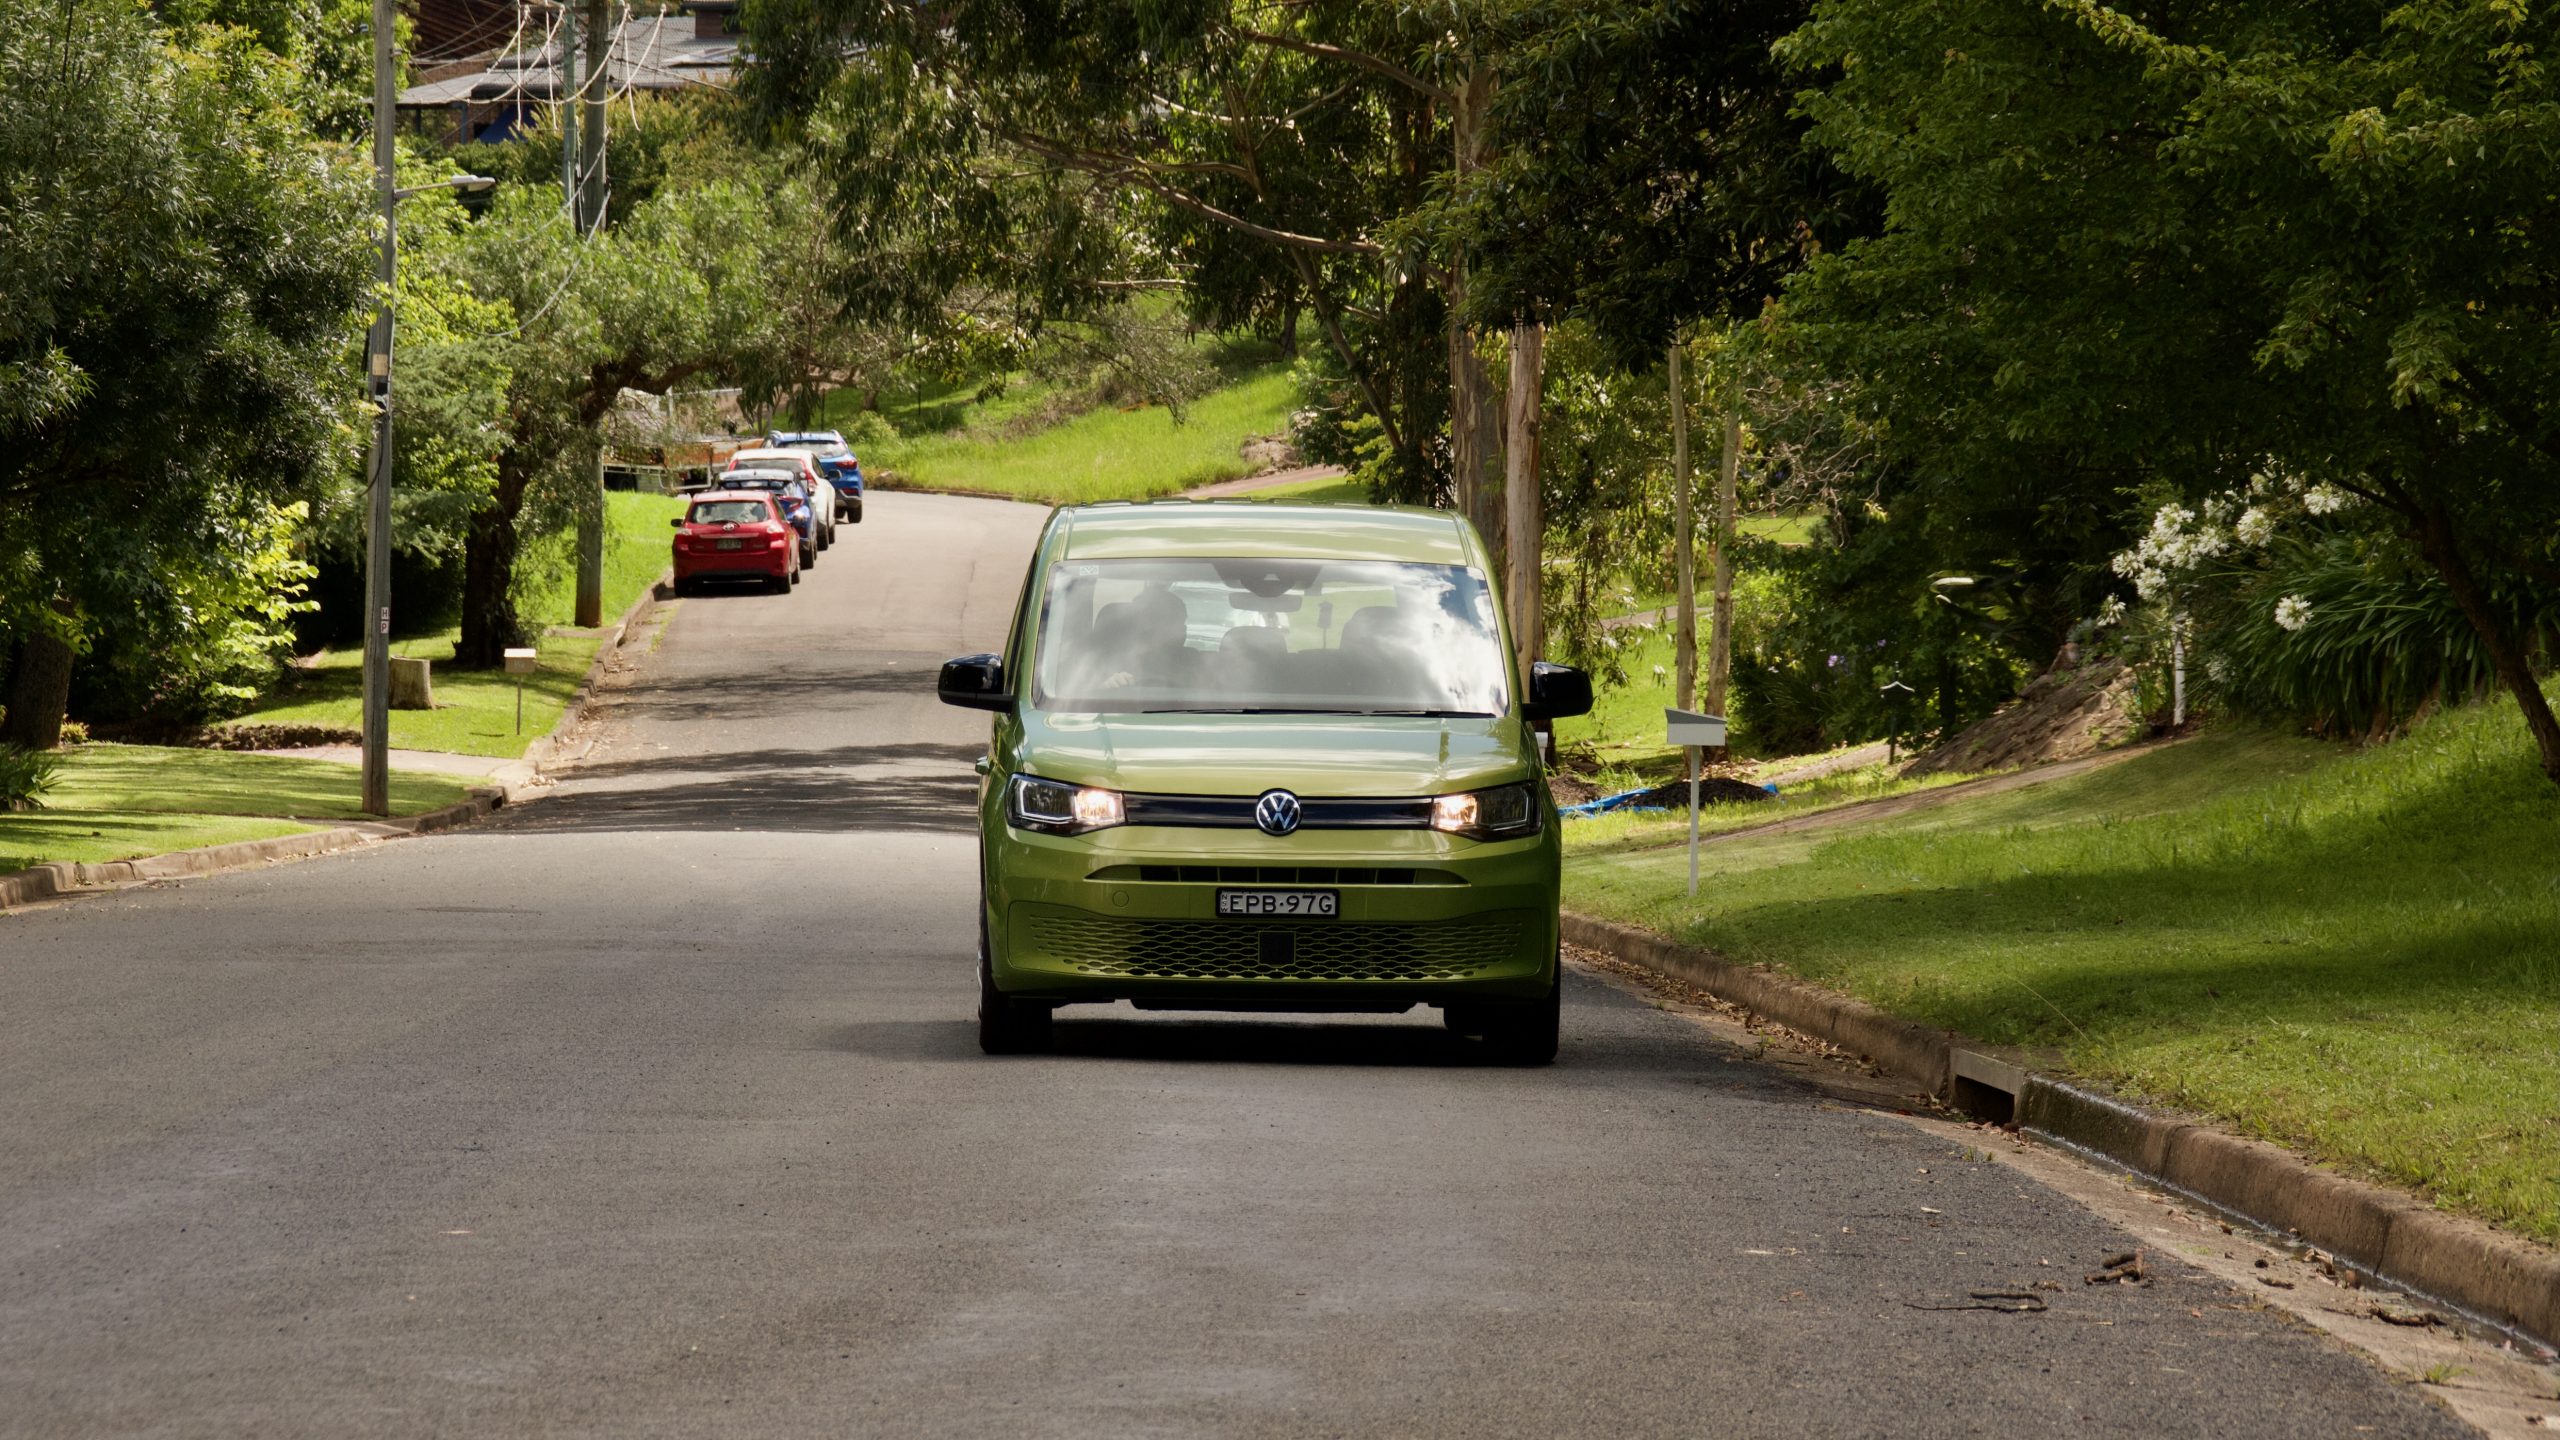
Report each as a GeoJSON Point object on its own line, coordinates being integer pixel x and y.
{"type": "Point", "coordinates": [377, 525]}
{"type": "Point", "coordinates": [595, 84]}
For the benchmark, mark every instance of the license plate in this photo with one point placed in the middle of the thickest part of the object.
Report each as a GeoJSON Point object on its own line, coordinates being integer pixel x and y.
{"type": "Point", "coordinates": [1281, 904]}
{"type": "Point", "coordinates": [731, 544]}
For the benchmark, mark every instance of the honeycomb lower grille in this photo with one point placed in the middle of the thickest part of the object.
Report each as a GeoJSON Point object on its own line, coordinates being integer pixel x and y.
{"type": "Point", "coordinates": [1210, 950]}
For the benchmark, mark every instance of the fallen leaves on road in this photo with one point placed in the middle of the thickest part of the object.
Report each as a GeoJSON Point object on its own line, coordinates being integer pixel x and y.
{"type": "Point", "coordinates": [2006, 1302]}
{"type": "Point", "coordinates": [2124, 1268]}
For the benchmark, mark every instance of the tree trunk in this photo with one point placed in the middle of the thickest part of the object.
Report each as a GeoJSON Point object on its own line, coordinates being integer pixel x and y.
{"type": "Point", "coordinates": [39, 692]}
{"type": "Point", "coordinates": [1524, 502]}
{"type": "Point", "coordinates": [489, 623]}
{"type": "Point", "coordinates": [1684, 547]}
{"type": "Point", "coordinates": [2506, 652]}
{"type": "Point", "coordinates": [1720, 640]}
{"type": "Point", "coordinates": [1473, 486]}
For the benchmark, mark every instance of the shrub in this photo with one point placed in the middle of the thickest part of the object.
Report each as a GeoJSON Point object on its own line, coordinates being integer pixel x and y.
{"type": "Point", "coordinates": [2374, 640]}
{"type": "Point", "coordinates": [25, 775]}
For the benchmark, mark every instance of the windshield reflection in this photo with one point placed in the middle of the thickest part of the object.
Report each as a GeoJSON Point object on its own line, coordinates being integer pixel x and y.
{"type": "Point", "coordinates": [1269, 636]}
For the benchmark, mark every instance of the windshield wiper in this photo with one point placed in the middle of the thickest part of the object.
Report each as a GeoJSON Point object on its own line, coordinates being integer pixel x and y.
{"type": "Point", "coordinates": [1304, 710]}
{"type": "Point", "coordinates": [1243, 710]}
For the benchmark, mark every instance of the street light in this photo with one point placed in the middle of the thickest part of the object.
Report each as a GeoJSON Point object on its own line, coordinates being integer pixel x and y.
{"type": "Point", "coordinates": [377, 525]}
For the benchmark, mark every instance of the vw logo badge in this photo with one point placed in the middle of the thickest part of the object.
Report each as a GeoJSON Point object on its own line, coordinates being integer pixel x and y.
{"type": "Point", "coordinates": [1276, 812]}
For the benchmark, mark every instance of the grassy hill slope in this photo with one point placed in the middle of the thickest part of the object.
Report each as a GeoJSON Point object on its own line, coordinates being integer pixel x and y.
{"type": "Point", "coordinates": [2356, 953]}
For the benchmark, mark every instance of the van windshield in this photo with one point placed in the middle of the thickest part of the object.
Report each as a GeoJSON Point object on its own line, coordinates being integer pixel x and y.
{"type": "Point", "coordinates": [1272, 636]}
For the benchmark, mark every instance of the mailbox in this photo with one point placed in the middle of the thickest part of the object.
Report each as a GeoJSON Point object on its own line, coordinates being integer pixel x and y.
{"type": "Point", "coordinates": [1687, 727]}
{"type": "Point", "coordinates": [520, 662]}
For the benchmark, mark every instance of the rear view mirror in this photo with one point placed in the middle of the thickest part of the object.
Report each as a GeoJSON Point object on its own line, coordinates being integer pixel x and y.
{"type": "Point", "coordinates": [974, 682]}
{"type": "Point", "coordinates": [1556, 692]}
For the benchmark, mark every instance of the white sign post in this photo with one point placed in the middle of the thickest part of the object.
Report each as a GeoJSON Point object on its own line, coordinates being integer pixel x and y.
{"type": "Point", "coordinates": [520, 663]}
{"type": "Point", "coordinates": [1690, 730]}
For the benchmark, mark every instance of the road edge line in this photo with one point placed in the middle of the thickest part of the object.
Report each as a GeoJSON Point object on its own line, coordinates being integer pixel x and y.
{"type": "Point", "coordinates": [2506, 1281]}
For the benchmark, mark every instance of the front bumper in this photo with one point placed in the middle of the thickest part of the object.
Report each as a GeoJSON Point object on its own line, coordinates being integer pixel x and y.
{"type": "Point", "coordinates": [1130, 914]}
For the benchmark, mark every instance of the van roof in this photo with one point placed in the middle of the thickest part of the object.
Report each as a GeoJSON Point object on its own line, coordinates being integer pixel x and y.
{"type": "Point", "coordinates": [1180, 529]}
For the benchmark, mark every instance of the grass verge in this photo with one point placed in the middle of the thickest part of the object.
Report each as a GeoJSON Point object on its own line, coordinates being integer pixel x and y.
{"type": "Point", "coordinates": [475, 710]}
{"type": "Point", "coordinates": [1103, 454]}
{"type": "Point", "coordinates": [2353, 953]}
{"type": "Point", "coordinates": [116, 802]}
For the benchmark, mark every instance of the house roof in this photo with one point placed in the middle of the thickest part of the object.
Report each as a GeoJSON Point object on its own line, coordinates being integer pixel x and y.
{"type": "Point", "coordinates": [651, 52]}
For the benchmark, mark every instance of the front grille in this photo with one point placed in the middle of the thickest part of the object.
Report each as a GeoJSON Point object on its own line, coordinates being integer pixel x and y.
{"type": "Point", "coordinates": [1278, 875]}
{"type": "Point", "coordinates": [1214, 950]}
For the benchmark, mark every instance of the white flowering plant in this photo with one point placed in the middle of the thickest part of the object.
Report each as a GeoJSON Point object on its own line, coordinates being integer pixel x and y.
{"type": "Point", "coordinates": [2296, 604]}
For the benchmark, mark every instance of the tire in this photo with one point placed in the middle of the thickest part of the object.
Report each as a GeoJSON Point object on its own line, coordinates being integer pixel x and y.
{"type": "Point", "coordinates": [857, 512]}
{"type": "Point", "coordinates": [1517, 1034]}
{"type": "Point", "coordinates": [684, 588]}
{"type": "Point", "coordinates": [1007, 1026]}
{"type": "Point", "coordinates": [781, 584]}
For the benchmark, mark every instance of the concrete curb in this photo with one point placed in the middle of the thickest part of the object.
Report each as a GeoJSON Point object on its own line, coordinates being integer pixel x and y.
{"type": "Point", "coordinates": [2507, 1281]}
{"type": "Point", "coordinates": [63, 878]}
{"type": "Point", "coordinates": [517, 776]}
{"type": "Point", "coordinates": [67, 878]}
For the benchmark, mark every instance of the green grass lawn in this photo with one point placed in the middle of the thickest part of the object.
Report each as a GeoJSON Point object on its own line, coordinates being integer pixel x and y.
{"type": "Point", "coordinates": [1342, 491]}
{"type": "Point", "coordinates": [2355, 953]}
{"type": "Point", "coordinates": [1101, 455]}
{"type": "Point", "coordinates": [116, 802]}
{"type": "Point", "coordinates": [475, 710]}
{"type": "Point", "coordinates": [1622, 736]}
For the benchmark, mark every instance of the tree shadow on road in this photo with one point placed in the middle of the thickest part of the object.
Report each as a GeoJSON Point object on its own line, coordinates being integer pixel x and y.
{"type": "Point", "coordinates": [850, 788]}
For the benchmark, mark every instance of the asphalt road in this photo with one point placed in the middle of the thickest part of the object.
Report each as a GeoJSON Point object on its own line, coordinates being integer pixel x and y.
{"type": "Point", "coordinates": [654, 1108]}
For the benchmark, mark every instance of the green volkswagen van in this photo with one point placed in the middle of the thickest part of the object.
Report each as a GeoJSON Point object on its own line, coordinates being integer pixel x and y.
{"type": "Point", "coordinates": [1265, 757]}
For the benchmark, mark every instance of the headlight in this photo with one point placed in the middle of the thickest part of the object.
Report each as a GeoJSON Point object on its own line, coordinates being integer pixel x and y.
{"type": "Point", "coordinates": [1055, 809]}
{"type": "Point", "coordinates": [1503, 813]}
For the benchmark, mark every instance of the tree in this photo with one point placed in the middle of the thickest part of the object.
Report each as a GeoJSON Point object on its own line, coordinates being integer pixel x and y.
{"type": "Point", "coordinates": [180, 266]}
{"type": "Point", "coordinates": [681, 290]}
{"type": "Point", "coordinates": [2178, 245]}
{"type": "Point", "coordinates": [1261, 160]}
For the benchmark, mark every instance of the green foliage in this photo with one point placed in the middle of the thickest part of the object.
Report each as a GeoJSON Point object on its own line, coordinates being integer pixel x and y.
{"type": "Point", "coordinates": [2174, 247]}
{"type": "Point", "coordinates": [2383, 638]}
{"type": "Point", "coordinates": [180, 266]}
{"type": "Point", "coordinates": [1648, 171]}
{"type": "Point", "coordinates": [25, 776]}
{"type": "Point", "coordinates": [1001, 171]}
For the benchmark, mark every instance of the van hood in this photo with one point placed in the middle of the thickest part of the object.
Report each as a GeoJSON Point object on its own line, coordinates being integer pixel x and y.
{"type": "Point", "coordinates": [1314, 755]}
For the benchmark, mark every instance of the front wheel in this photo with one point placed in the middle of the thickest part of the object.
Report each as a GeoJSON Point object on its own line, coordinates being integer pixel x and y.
{"type": "Point", "coordinates": [1521, 1034]}
{"type": "Point", "coordinates": [1007, 1026]}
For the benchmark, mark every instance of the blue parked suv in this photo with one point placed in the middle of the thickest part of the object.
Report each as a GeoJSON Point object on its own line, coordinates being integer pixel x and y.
{"type": "Point", "coordinates": [836, 461]}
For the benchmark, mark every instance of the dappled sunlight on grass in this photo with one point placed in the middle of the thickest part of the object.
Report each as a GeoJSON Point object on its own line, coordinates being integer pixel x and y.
{"type": "Point", "coordinates": [2355, 953]}
{"type": "Point", "coordinates": [475, 710]}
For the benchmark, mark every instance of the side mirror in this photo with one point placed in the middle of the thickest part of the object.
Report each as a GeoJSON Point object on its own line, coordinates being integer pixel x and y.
{"type": "Point", "coordinates": [1556, 692]}
{"type": "Point", "coordinates": [974, 682]}
{"type": "Point", "coordinates": [676, 524]}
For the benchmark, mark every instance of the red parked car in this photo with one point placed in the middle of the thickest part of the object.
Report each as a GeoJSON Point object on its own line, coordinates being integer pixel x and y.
{"type": "Point", "coordinates": [735, 535]}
